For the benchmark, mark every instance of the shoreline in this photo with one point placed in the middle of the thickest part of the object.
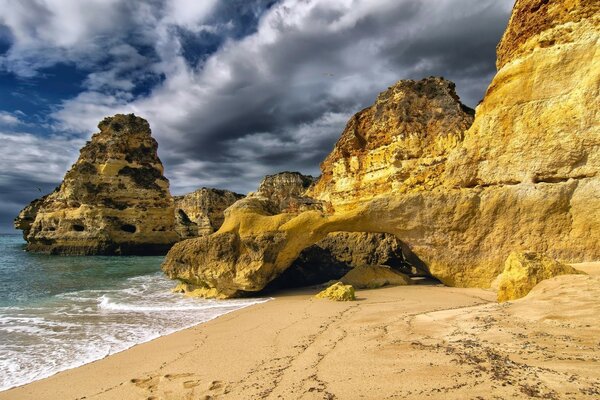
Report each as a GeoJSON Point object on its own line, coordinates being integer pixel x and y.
{"type": "Point", "coordinates": [407, 341]}
{"type": "Point", "coordinates": [130, 346]}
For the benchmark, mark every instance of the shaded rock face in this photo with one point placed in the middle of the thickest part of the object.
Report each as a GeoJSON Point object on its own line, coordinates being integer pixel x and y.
{"type": "Point", "coordinates": [374, 276]}
{"type": "Point", "coordinates": [113, 200]}
{"type": "Point", "coordinates": [334, 256]}
{"type": "Point", "coordinates": [522, 177]}
{"type": "Point", "coordinates": [201, 212]}
{"type": "Point", "coordinates": [285, 193]}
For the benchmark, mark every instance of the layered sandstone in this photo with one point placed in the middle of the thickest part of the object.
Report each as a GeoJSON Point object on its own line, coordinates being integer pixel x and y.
{"type": "Point", "coordinates": [284, 193]}
{"type": "Point", "coordinates": [201, 212]}
{"type": "Point", "coordinates": [398, 145]}
{"type": "Point", "coordinates": [523, 177]}
{"type": "Point", "coordinates": [114, 199]}
{"type": "Point", "coordinates": [262, 236]}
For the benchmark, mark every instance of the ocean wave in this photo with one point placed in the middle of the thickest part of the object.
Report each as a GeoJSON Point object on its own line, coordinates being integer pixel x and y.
{"type": "Point", "coordinates": [107, 304]}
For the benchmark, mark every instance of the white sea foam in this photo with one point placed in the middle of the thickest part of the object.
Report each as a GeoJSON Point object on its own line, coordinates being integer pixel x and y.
{"type": "Point", "coordinates": [79, 327]}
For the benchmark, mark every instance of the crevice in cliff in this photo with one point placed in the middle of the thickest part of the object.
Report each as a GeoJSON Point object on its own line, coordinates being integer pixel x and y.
{"type": "Point", "coordinates": [535, 180]}
{"type": "Point", "coordinates": [559, 179]}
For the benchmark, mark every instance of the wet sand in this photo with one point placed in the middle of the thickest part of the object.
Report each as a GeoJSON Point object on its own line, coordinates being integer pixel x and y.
{"type": "Point", "coordinates": [420, 341]}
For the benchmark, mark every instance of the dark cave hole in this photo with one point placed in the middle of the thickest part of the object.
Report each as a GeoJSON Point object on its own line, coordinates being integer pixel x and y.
{"type": "Point", "coordinates": [331, 258]}
{"type": "Point", "coordinates": [128, 228]}
{"type": "Point", "coordinates": [78, 228]}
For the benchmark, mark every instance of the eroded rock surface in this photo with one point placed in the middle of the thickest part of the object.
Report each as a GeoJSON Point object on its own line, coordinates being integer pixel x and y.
{"type": "Point", "coordinates": [400, 144]}
{"type": "Point", "coordinates": [522, 177]}
{"type": "Point", "coordinates": [201, 212]}
{"type": "Point", "coordinates": [523, 271]}
{"type": "Point", "coordinates": [114, 199]}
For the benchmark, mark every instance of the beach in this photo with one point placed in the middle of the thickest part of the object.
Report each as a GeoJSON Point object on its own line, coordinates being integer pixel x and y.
{"type": "Point", "coordinates": [418, 341]}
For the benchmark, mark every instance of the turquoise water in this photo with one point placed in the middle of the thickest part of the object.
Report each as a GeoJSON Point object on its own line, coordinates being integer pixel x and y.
{"type": "Point", "coordinates": [61, 312]}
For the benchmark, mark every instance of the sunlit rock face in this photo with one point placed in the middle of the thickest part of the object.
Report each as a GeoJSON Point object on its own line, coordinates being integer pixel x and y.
{"type": "Point", "coordinates": [400, 144]}
{"type": "Point", "coordinates": [114, 199]}
{"type": "Point", "coordinates": [523, 177]}
{"type": "Point", "coordinates": [201, 212]}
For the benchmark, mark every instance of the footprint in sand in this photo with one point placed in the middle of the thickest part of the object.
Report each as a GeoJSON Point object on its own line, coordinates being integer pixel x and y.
{"type": "Point", "coordinates": [178, 386]}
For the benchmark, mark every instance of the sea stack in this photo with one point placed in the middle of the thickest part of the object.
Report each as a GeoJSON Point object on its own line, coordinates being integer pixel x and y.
{"type": "Point", "coordinates": [114, 200]}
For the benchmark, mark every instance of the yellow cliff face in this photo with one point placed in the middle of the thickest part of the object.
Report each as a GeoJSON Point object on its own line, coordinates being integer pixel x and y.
{"type": "Point", "coordinates": [113, 200]}
{"type": "Point", "coordinates": [400, 144]}
{"type": "Point", "coordinates": [522, 177]}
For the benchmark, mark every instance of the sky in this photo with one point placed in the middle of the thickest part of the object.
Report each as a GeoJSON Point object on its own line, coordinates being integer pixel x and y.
{"type": "Point", "coordinates": [233, 89]}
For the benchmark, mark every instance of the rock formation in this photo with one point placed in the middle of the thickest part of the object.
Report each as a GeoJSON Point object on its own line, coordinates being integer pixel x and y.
{"type": "Point", "coordinates": [285, 191]}
{"type": "Point", "coordinates": [337, 292]}
{"type": "Point", "coordinates": [329, 259]}
{"type": "Point", "coordinates": [338, 253]}
{"type": "Point", "coordinates": [398, 145]}
{"type": "Point", "coordinates": [201, 212]}
{"type": "Point", "coordinates": [374, 276]}
{"type": "Point", "coordinates": [113, 200]}
{"type": "Point", "coordinates": [522, 177]}
{"type": "Point", "coordinates": [522, 271]}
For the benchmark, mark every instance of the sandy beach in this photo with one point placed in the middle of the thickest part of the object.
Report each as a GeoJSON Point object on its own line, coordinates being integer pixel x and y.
{"type": "Point", "coordinates": [420, 341]}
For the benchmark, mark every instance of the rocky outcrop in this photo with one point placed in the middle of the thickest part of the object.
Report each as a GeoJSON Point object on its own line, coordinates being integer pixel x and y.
{"type": "Point", "coordinates": [329, 259]}
{"type": "Point", "coordinates": [337, 292]}
{"type": "Point", "coordinates": [522, 177]}
{"type": "Point", "coordinates": [265, 241]}
{"type": "Point", "coordinates": [284, 193]}
{"type": "Point", "coordinates": [374, 276]}
{"type": "Point", "coordinates": [523, 271]}
{"type": "Point", "coordinates": [201, 212]}
{"type": "Point", "coordinates": [398, 145]}
{"type": "Point", "coordinates": [113, 200]}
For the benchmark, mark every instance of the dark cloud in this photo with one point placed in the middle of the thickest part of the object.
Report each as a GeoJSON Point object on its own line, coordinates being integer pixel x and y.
{"type": "Point", "coordinates": [238, 89]}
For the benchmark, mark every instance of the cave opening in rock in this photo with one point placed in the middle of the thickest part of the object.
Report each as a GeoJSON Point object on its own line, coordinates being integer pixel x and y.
{"type": "Point", "coordinates": [339, 252]}
{"type": "Point", "coordinates": [78, 228]}
{"type": "Point", "coordinates": [128, 228]}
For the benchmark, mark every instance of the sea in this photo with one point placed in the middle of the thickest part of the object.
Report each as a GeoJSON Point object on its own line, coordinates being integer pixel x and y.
{"type": "Point", "coordinates": [59, 312]}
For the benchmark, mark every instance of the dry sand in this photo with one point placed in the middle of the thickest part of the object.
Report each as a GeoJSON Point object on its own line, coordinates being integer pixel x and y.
{"type": "Point", "coordinates": [411, 342]}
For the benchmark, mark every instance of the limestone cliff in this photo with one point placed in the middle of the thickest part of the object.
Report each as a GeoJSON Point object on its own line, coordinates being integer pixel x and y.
{"type": "Point", "coordinates": [523, 177]}
{"type": "Point", "coordinates": [113, 200]}
{"type": "Point", "coordinates": [201, 212]}
{"type": "Point", "coordinates": [400, 144]}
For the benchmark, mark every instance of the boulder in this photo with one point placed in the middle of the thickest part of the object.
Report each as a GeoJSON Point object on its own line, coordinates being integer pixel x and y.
{"type": "Point", "coordinates": [374, 276]}
{"type": "Point", "coordinates": [337, 292]}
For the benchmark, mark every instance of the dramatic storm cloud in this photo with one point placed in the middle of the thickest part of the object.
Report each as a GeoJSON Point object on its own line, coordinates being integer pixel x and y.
{"type": "Point", "coordinates": [233, 89]}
